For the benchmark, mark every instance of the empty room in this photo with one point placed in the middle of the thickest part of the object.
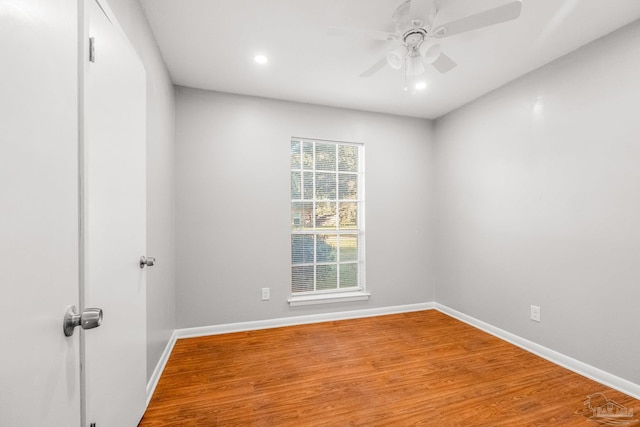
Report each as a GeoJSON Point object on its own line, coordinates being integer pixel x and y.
{"type": "Point", "coordinates": [320, 213]}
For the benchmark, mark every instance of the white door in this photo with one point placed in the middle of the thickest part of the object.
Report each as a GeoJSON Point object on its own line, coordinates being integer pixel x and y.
{"type": "Point", "coordinates": [39, 366]}
{"type": "Point", "coordinates": [114, 224]}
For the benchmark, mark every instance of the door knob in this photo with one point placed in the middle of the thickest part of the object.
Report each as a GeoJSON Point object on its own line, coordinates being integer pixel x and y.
{"type": "Point", "coordinates": [90, 318]}
{"type": "Point", "coordinates": [147, 261]}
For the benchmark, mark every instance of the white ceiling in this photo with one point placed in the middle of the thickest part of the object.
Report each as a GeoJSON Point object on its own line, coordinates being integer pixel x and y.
{"type": "Point", "coordinates": [210, 44]}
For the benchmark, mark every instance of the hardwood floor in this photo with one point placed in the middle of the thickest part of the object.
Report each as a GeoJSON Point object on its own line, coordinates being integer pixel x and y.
{"type": "Point", "coordinates": [421, 368]}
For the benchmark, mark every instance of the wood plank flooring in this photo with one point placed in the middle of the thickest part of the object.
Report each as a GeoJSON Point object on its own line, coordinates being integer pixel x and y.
{"type": "Point", "coordinates": [421, 368]}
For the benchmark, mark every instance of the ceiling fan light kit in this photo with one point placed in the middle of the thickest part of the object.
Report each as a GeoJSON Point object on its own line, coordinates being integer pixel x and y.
{"type": "Point", "coordinates": [414, 21]}
{"type": "Point", "coordinates": [414, 65]}
{"type": "Point", "coordinates": [396, 57]}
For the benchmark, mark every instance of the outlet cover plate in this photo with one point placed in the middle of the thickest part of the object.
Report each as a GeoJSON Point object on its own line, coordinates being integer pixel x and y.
{"type": "Point", "coordinates": [535, 313]}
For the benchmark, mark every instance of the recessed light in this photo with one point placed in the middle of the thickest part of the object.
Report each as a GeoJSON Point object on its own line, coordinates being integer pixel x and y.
{"type": "Point", "coordinates": [260, 59]}
{"type": "Point", "coordinates": [420, 85]}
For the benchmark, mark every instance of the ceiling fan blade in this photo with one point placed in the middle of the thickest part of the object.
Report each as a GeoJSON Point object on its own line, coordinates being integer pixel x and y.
{"type": "Point", "coordinates": [487, 18]}
{"type": "Point", "coordinates": [432, 14]}
{"type": "Point", "coordinates": [357, 32]}
{"type": "Point", "coordinates": [375, 68]}
{"type": "Point", "coordinates": [421, 9]}
{"type": "Point", "coordinates": [401, 17]}
{"type": "Point", "coordinates": [430, 53]}
{"type": "Point", "coordinates": [444, 64]}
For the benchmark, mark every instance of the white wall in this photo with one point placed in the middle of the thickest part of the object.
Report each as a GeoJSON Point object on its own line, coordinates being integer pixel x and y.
{"type": "Point", "coordinates": [541, 205]}
{"type": "Point", "coordinates": [160, 179]}
{"type": "Point", "coordinates": [233, 157]}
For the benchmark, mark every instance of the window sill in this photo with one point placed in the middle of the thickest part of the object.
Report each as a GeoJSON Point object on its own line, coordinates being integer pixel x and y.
{"type": "Point", "coordinates": [328, 298]}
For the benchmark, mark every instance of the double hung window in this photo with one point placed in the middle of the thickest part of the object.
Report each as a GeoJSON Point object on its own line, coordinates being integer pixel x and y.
{"type": "Point", "coordinates": [327, 217]}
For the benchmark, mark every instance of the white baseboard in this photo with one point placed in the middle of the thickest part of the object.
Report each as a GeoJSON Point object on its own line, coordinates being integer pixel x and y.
{"type": "Point", "coordinates": [298, 320]}
{"type": "Point", "coordinates": [157, 372]}
{"type": "Point", "coordinates": [553, 356]}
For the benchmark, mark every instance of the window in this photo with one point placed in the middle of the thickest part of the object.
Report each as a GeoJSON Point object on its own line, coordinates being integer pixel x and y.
{"type": "Point", "coordinates": [327, 219]}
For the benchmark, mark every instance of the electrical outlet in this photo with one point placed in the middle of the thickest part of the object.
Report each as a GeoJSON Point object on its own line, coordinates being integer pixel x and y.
{"type": "Point", "coordinates": [535, 313]}
{"type": "Point", "coordinates": [266, 294]}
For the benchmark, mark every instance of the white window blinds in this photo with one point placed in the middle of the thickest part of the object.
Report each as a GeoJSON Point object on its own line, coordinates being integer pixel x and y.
{"type": "Point", "coordinates": [327, 216]}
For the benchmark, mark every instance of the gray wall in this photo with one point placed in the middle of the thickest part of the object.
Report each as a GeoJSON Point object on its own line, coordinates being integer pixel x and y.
{"type": "Point", "coordinates": [160, 179]}
{"type": "Point", "coordinates": [540, 204]}
{"type": "Point", "coordinates": [232, 155]}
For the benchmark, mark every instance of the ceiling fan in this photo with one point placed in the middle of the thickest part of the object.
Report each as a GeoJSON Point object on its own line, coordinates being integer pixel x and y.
{"type": "Point", "coordinates": [414, 24]}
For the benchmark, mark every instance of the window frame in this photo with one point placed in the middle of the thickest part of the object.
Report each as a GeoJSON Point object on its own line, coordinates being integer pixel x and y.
{"type": "Point", "coordinates": [319, 296]}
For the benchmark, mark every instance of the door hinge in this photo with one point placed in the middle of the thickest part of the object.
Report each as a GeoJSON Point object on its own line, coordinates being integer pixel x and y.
{"type": "Point", "coordinates": [92, 49]}
{"type": "Point", "coordinates": [92, 425]}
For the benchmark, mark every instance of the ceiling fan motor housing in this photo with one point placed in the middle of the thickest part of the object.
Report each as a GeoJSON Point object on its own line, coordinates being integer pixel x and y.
{"type": "Point", "coordinates": [413, 39]}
